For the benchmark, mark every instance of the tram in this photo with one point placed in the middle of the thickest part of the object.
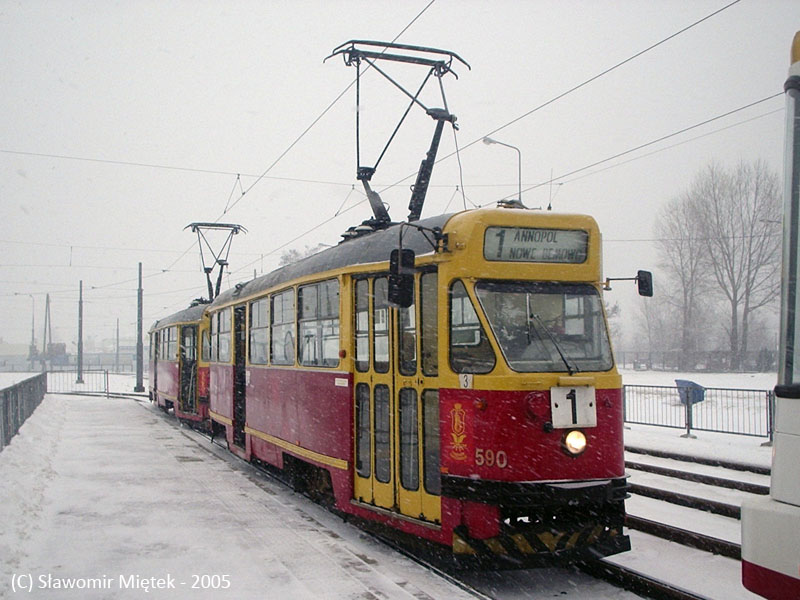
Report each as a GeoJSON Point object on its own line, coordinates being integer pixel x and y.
{"type": "Point", "coordinates": [179, 368]}
{"type": "Point", "coordinates": [447, 380]}
{"type": "Point", "coordinates": [460, 389]}
{"type": "Point", "coordinates": [771, 525]}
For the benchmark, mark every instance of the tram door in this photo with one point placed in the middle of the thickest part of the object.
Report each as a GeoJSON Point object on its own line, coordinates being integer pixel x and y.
{"type": "Point", "coordinates": [397, 399]}
{"type": "Point", "coordinates": [239, 375]}
{"type": "Point", "coordinates": [188, 398]}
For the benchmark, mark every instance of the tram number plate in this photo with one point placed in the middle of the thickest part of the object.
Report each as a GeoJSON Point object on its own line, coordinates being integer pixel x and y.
{"type": "Point", "coordinates": [573, 407]}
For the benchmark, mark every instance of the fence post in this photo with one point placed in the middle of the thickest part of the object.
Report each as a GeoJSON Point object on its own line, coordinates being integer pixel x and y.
{"type": "Point", "coordinates": [770, 418]}
{"type": "Point", "coordinates": [3, 418]}
{"type": "Point", "coordinates": [624, 404]}
{"type": "Point", "coordinates": [689, 405]}
{"type": "Point", "coordinates": [106, 375]}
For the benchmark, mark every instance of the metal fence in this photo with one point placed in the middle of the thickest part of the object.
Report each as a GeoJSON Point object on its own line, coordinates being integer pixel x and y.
{"type": "Point", "coordinates": [67, 382]}
{"type": "Point", "coordinates": [745, 412]}
{"type": "Point", "coordinates": [17, 403]}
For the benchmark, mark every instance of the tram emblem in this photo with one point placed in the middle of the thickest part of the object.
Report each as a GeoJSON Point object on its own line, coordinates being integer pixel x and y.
{"type": "Point", "coordinates": [458, 428]}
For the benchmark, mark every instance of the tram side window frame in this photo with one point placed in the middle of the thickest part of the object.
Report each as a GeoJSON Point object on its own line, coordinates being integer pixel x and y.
{"type": "Point", "coordinates": [206, 353]}
{"type": "Point", "coordinates": [169, 343]}
{"type": "Point", "coordinates": [225, 334]}
{"type": "Point", "coordinates": [318, 324]}
{"type": "Point", "coordinates": [221, 334]}
{"type": "Point", "coordinates": [381, 323]}
{"type": "Point", "coordinates": [259, 340]}
{"type": "Point", "coordinates": [361, 325]}
{"type": "Point", "coordinates": [282, 328]}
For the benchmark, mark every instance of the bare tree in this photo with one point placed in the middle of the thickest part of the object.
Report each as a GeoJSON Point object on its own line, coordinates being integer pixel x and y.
{"type": "Point", "coordinates": [738, 213]}
{"type": "Point", "coordinates": [655, 329]}
{"type": "Point", "coordinates": [682, 249]}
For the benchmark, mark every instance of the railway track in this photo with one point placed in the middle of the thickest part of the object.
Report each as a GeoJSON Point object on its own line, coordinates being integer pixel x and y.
{"type": "Point", "coordinates": [680, 535]}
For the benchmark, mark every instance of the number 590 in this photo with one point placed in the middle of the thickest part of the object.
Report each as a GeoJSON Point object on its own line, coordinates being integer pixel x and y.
{"type": "Point", "coordinates": [491, 458]}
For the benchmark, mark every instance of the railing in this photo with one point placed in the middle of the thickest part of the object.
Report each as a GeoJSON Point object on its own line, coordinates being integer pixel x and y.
{"type": "Point", "coordinates": [745, 412]}
{"type": "Point", "coordinates": [17, 403]}
{"type": "Point", "coordinates": [66, 382]}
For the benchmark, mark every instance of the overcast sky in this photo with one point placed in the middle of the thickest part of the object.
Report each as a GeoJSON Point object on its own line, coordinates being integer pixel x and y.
{"type": "Point", "coordinates": [123, 122]}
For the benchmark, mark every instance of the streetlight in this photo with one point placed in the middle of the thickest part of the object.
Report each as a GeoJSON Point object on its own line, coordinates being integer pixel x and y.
{"type": "Point", "coordinates": [489, 141]}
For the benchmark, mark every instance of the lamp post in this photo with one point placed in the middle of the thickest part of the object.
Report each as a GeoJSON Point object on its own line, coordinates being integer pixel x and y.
{"type": "Point", "coordinates": [488, 141]}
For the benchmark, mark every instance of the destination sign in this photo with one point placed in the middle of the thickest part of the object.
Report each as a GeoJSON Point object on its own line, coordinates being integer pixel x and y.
{"type": "Point", "coordinates": [526, 244]}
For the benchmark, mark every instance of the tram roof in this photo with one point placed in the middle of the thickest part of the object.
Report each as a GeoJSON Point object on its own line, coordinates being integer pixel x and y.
{"type": "Point", "coordinates": [187, 315]}
{"type": "Point", "coordinates": [369, 248]}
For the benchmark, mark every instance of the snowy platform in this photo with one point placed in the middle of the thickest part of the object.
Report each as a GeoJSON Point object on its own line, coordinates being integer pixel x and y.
{"type": "Point", "coordinates": [109, 497]}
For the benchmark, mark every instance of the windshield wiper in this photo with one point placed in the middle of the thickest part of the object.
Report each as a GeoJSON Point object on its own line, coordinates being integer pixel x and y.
{"type": "Point", "coordinates": [570, 369]}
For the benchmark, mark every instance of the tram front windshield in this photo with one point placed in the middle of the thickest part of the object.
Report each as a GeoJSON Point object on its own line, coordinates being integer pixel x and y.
{"type": "Point", "coordinates": [547, 326]}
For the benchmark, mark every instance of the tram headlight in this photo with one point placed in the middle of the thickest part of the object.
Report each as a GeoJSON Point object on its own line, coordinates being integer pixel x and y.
{"type": "Point", "coordinates": [575, 442]}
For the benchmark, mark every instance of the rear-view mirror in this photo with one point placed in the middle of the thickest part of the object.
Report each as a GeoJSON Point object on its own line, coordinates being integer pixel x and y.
{"type": "Point", "coordinates": [401, 277]}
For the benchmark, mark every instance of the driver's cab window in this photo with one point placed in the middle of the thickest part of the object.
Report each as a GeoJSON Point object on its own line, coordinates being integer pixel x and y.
{"type": "Point", "coordinates": [470, 351]}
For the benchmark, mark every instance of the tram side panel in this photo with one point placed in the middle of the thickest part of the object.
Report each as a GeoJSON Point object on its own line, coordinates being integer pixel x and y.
{"type": "Point", "coordinates": [168, 383]}
{"type": "Point", "coordinates": [221, 396]}
{"type": "Point", "coordinates": [307, 414]}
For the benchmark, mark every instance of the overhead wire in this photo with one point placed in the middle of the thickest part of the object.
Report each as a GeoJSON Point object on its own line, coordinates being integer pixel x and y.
{"type": "Point", "coordinates": [595, 163]}
{"type": "Point", "coordinates": [264, 174]}
{"type": "Point", "coordinates": [301, 136]}
{"type": "Point", "coordinates": [665, 148]}
{"type": "Point", "coordinates": [579, 86]}
{"type": "Point", "coordinates": [652, 142]}
{"type": "Point", "coordinates": [324, 112]}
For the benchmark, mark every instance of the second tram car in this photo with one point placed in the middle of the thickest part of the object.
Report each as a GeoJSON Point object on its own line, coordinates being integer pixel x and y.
{"type": "Point", "coordinates": [483, 412]}
{"type": "Point", "coordinates": [179, 363]}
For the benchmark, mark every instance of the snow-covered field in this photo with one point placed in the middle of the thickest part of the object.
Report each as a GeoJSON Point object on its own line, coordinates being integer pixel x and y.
{"type": "Point", "coordinates": [742, 381]}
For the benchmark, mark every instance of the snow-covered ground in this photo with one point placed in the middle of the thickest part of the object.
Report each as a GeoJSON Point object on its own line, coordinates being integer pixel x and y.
{"type": "Point", "coordinates": [109, 495]}
{"type": "Point", "coordinates": [9, 379]}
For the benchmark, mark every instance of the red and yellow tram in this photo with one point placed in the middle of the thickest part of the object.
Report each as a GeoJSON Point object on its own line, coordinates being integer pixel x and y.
{"type": "Point", "coordinates": [482, 413]}
{"type": "Point", "coordinates": [179, 363]}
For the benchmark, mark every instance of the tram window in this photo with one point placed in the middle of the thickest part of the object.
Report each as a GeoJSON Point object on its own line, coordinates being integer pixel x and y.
{"type": "Point", "coordinates": [383, 440]}
{"type": "Point", "coordinates": [380, 324]}
{"type": "Point", "coordinates": [189, 342]}
{"type": "Point", "coordinates": [430, 441]}
{"type": "Point", "coordinates": [224, 328]}
{"type": "Point", "coordinates": [547, 326]}
{"type": "Point", "coordinates": [213, 338]}
{"type": "Point", "coordinates": [364, 441]}
{"type": "Point", "coordinates": [470, 351]}
{"type": "Point", "coordinates": [429, 314]}
{"type": "Point", "coordinates": [362, 325]}
{"type": "Point", "coordinates": [319, 324]}
{"type": "Point", "coordinates": [206, 345]}
{"type": "Point", "coordinates": [259, 331]}
{"type": "Point", "coordinates": [172, 343]}
{"type": "Point", "coordinates": [408, 340]}
{"type": "Point", "coordinates": [283, 328]}
{"type": "Point", "coordinates": [409, 440]}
